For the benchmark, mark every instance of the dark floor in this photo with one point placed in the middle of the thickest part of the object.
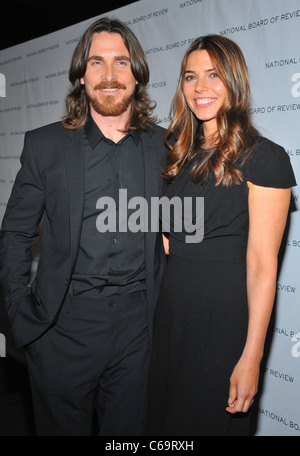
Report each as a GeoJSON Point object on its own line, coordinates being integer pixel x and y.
{"type": "Point", "coordinates": [15, 402]}
{"type": "Point", "coordinates": [16, 416]}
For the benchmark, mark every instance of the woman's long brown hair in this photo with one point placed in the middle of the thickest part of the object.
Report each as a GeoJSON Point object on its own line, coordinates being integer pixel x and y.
{"type": "Point", "coordinates": [77, 103]}
{"type": "Point", "coordinates": [236, 135]}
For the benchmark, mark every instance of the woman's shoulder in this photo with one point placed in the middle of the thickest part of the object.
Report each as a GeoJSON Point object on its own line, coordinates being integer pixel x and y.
{"type": "Point", "coordinates": [269, 165]}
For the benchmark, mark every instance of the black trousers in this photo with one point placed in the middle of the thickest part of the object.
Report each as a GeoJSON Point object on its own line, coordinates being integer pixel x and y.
{"type": "Point", "coordinates": [93, 360]}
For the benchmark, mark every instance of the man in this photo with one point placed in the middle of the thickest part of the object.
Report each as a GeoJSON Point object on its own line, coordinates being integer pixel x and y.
{"type": "Point", "coordinates": [86, 320]}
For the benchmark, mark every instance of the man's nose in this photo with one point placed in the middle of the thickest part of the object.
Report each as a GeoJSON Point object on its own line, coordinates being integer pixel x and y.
{"type": "Point", "coordinates": [109, 73]}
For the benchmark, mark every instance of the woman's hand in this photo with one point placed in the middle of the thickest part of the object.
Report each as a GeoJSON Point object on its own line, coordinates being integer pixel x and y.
{"type": "Point", "coordinates": [243, 386]}
{"type": "Point", "coordinates": [166, 244]}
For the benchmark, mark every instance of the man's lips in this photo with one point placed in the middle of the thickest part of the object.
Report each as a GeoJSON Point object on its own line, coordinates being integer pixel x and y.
{"type": "Point", "coordinates": [109, 91]}
{"type": "Point", "coordinates": [109, 88]}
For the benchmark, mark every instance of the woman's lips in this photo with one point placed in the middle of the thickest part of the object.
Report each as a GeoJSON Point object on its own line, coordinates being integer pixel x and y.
{"type": "Point", "coordinates": [204, 102]}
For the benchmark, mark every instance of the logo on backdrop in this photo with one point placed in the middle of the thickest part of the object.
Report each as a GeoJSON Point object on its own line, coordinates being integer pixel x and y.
{"type": "Point", "coordinates": [296, 347]}
{"type": "Point", "coordinates": [296, 87]}
{"type": "Point", "coordinates": [2, 85]}
{"type": "Point", "coordinates": [293, 336]}
{"type": "Point", "coordinates": [295, 91]}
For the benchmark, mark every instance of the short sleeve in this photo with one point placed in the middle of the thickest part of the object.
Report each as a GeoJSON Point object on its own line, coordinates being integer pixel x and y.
{"type": "Point", "coordinates": [269, 166]}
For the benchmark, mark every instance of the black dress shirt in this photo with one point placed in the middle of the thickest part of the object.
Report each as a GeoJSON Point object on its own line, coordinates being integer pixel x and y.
{"type": "Point", "coordinates": [110, 262]}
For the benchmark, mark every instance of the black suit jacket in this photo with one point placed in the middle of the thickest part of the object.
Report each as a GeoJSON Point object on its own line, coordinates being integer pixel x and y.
{"type": "Point", "coordinates": [50, 187]}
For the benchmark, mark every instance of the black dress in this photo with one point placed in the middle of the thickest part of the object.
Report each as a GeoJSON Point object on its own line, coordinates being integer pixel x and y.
{"type": "Point", "coordinates": [201, 320]}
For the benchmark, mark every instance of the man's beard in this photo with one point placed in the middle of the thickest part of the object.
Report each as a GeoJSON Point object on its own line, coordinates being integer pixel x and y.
{"type": "Point", "coordinates": [106, 104]}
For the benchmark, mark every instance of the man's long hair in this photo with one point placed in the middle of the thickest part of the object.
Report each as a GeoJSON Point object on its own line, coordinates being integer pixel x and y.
{"type": "Point", "coordinates": [77, 103]}
{"type": "Point", "coordinates": [236, 136]}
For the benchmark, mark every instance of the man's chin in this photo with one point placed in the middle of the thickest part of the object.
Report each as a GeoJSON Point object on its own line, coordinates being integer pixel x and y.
{"type": "Point", "coordinates": [110, 112]}
{"type": "Point", "coordinates": [109, 107]}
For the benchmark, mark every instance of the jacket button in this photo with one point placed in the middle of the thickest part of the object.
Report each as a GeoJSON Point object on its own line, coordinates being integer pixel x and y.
{"type": "Point", "coordinates": [66, 282]}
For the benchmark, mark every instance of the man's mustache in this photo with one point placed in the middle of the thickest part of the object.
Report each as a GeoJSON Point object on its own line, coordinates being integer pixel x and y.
{"type": "Point", "coordinates": [109, 85]}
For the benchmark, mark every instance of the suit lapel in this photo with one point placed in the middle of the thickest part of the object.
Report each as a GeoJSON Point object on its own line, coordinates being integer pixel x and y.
{"type": "Point", "coordinates": [151, 174]}
{"type": "Point", "coordinates": [151, 171]}
{"type": "Point", "coordinates": [74, 159]}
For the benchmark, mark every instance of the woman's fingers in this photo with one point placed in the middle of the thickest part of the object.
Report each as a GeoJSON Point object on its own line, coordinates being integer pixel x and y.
{"type": "Point", "coordinates": [240, 404]}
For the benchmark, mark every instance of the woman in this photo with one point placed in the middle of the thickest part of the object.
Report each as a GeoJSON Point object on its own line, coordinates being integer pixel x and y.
{"type": "Point", "coordinates": [217, 295]}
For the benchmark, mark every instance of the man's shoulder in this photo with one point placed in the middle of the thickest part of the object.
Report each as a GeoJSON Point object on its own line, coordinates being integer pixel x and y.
{"type": "Point", "coordinates": [47, 129]}
{"type": "Point", "coordinates": [156, 131]}
{"type": "Point", "coordinates": [50, 132]}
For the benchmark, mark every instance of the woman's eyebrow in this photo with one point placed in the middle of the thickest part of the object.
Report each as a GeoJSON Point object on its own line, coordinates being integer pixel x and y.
{"type": "Point", "coordinates": [206, 71]}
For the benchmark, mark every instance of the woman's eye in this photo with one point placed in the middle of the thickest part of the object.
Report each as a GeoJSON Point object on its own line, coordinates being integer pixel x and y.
{"type": "Point", "coordinates": [189, 78]}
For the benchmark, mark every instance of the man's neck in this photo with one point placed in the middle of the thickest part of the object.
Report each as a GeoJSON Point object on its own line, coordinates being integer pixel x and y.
{"type": "Point", "coordinates": [112, 127]}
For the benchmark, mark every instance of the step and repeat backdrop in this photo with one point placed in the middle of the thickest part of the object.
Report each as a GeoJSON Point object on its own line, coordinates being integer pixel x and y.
{"type": "Point", "coordinates": [34, 83]}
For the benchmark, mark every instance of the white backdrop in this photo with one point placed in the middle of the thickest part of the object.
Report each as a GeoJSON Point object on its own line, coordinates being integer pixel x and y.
{"type": "Point", "coordinates": [34, 83]}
